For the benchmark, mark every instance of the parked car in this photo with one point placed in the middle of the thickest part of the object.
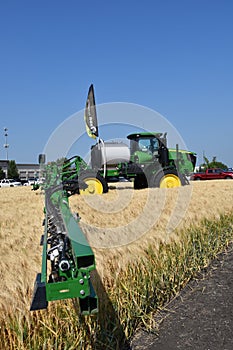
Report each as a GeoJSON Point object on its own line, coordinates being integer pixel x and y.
{"type": "Point", "coordinates": [9, 183]}
{"type": "Point", "coordinates": [211, 174]}
{"type": "Point", "coordinates": [31, 181]}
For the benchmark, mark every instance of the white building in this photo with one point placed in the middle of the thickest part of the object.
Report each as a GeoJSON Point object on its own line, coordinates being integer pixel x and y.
{"type": "Point", "coordinates": [25, 170]}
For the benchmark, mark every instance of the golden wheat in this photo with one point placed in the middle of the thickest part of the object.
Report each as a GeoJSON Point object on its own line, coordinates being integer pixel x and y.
{"type": "Point", "coordinates": [111, 223]}
{"type": "Point", "coordinates": [22, 213]}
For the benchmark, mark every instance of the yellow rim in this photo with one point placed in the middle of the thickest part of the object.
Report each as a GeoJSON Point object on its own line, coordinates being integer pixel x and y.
{"type": "Point", "coordinates": [94, 186]}
{"type": "Point", "coordinates": [169, 181]}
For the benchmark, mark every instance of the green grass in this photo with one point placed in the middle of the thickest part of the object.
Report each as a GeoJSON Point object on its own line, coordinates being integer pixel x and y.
{"type": "Point", "coordinates": [126, 303]}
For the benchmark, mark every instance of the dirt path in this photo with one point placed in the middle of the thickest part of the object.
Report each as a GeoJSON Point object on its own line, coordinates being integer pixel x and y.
{"type": "Point", "coordinates": [201, 317]}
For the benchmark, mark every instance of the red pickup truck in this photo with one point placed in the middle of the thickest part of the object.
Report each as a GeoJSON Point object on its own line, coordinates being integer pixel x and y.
{"type": "Point", "coordinates": [211, 174]}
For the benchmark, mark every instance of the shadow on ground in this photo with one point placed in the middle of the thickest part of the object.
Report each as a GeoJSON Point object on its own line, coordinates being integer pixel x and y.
{"type": "Point", "coordinates": [110, 334]}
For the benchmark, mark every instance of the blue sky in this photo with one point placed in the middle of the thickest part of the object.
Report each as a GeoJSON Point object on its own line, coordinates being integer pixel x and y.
{"type": "Point", "coordinates": [174, 57]}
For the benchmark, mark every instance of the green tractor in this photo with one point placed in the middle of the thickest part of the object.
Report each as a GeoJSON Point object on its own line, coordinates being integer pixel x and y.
{"type": "Point", "coordinates": [147, 161]}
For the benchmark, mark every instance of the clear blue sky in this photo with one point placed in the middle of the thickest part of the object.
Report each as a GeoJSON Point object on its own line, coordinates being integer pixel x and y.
{"type": "Point", "coordinates": [174, 56]}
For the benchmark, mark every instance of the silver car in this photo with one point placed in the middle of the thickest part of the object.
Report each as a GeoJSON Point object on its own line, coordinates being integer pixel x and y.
{"type": "Point", "coordinates": [9, 183]}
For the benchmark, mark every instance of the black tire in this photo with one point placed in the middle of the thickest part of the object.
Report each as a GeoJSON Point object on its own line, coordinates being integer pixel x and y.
{"type": "Point", "coordinates": [177, 180]}
{"type": "Point", "coordinates": [93, 175]}
{"type": "Point", "coordinates": [140, 182]}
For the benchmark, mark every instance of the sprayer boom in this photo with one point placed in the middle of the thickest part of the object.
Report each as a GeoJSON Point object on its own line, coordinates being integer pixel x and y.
{"type": "Point", "coordinates": [67, 258]}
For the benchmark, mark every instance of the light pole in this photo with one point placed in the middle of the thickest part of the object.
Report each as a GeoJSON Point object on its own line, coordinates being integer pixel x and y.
{"type": "Point", "coordinates": [6, 145]}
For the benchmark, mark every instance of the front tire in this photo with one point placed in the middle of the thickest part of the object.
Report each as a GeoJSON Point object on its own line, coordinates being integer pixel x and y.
{"type": "Point", "coordinates": [96, 183]}
{"type": "Point", "coordinates": [168, 179]}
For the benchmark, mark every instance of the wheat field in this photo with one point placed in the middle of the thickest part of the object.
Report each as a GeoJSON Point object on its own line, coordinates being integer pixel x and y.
{"type": "Point", "coordinates": [119, 226]}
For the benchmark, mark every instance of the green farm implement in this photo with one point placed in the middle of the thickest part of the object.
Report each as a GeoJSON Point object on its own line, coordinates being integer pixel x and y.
{"type": "Point", "coordinates": [64, 245]}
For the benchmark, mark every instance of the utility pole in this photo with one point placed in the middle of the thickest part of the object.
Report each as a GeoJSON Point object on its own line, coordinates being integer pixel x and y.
{"type": "Point", "coordinates": [6, 145]}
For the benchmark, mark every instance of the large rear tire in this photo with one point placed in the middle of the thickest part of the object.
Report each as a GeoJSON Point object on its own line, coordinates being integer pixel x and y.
{"type": "Point", "coordinates": [96, 184]}
{"type": "Point", "coordinates": [168, 179]}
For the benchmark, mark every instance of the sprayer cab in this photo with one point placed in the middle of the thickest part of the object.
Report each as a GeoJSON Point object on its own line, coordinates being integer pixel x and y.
{"type": "Point", "coordinates": [149, 147]}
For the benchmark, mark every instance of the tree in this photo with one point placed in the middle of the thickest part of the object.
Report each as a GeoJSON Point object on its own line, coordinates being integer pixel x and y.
{"type": "Point", "coordinates": [2, 174]}
{"type": "Point", "coordinates": [206, 163]}
{"type": "Point", "coordinates": [12, 171]}
{"type": "Point", "coordinates": [213, 164]}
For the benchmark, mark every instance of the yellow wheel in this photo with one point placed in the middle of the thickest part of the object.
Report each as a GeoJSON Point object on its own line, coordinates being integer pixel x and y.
{"type": "Point", "coordinates": [169, 181]}
{"type": "Point", "coordinates": [94, 186]}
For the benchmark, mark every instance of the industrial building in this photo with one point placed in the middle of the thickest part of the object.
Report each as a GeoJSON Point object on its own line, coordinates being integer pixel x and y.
{"type": "Point", "coordinates": [25, 171]}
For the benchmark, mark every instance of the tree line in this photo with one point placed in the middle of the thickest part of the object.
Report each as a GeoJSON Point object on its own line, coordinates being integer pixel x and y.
{"type": "Point", "coordinates": [208, 164]}
{"type": "Point", "coordinates": [12, 171]}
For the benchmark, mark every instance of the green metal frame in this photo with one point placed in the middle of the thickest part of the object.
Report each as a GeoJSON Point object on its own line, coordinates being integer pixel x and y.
{"type": "Point", "coordinates": [62, 234]}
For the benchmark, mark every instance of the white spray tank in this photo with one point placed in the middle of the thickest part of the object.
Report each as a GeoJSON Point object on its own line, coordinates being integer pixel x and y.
{"type": "Point", "coordinates": [109, 154]}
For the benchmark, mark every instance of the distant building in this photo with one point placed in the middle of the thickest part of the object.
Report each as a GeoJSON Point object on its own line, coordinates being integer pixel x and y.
{"type": "Point", "coordinates": [25, 170]}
